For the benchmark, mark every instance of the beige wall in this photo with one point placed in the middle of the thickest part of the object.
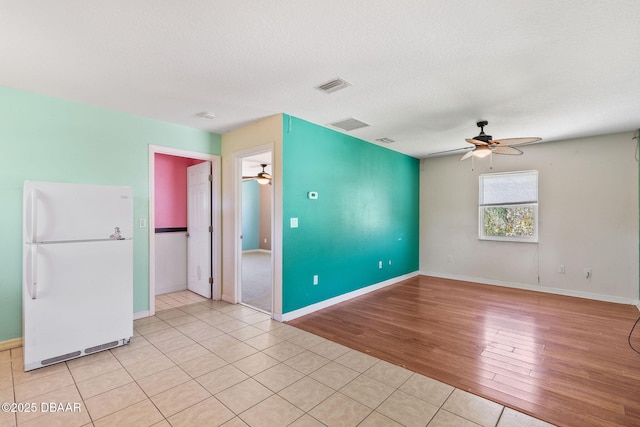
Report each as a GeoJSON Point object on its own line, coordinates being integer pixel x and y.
{"type": "Point", "coordinates": [588, 218]}
{"type": "Point", "coordinates": [238, 143]}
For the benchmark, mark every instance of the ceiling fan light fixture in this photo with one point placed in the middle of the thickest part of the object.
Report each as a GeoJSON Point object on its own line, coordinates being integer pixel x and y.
{"type": "Point", "coordinates": [263, 177]}
{"type": "Point", "coordinates": [484, 144]}
{"type": "Point", "coordinates": [481, 151]}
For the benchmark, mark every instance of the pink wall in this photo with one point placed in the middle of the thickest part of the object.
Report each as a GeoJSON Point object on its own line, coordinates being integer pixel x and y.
{"type": "Point", "coordinates": [171, 190]}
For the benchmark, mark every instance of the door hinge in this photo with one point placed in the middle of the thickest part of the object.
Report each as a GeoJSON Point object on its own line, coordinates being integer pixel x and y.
{"type": "Point", "coordinates": [211, 229]}
{"type": "Point", "coordinates": [187, 234]}
{"type": "Point", "coordinates": [211, 280]}
{"type": "Point", "coordinates": [211, 178]}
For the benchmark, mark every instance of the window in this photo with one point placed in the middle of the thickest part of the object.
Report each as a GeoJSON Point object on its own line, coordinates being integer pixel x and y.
{"type": "Point", "coordinates": [508, 206]}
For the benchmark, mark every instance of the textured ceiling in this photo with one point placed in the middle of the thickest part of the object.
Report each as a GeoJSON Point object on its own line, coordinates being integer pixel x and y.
{"type": "Point", "coordinates": [422, 72]}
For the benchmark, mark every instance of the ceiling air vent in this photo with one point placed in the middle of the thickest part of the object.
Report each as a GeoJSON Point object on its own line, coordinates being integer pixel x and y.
{"type": "Point", "coordinates": [349, 124]}
{"type": "Point", "coordinates": [386, 140]}
{"type": "Point", "coordinates": [333, 85]}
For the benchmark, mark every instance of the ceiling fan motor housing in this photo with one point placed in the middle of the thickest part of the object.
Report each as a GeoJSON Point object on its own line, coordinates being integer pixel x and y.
{"type": "Point", "coordinates": [483, 136]}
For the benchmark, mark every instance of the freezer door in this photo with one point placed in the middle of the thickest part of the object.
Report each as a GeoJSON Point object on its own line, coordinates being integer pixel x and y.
{"type": "Point", "coordinates": [84, 299]}
{"type": "Point", "coordinates": [68, 212]}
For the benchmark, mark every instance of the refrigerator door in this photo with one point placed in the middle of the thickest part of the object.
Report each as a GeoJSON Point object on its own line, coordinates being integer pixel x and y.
{"type": "Point", "coordinates": [84, 300]}
{"type": "Point", "coordinates": [56, 212]}
{"type": "Point", "coordinates": [77, 270]}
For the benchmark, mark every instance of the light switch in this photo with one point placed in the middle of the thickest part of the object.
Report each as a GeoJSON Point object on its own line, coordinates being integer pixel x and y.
{"type": "Point", "coordinates": [293, 222]}
{"type": "Point", "coordinates": [313, 195]}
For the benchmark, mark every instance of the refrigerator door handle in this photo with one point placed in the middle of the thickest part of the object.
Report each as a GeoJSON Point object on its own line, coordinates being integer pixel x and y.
{"type": "Point", "coordinates": [31, 271]}
{"type": "Point", "coordinates": [32, 216]}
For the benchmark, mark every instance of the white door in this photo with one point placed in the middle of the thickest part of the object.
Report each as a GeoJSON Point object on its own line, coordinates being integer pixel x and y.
{"type": "Point", "coordinates": [199, 273]}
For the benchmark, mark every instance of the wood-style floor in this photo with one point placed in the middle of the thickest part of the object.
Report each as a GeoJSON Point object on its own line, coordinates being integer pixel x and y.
{"type": "Point", "coordinates": [561, 359]}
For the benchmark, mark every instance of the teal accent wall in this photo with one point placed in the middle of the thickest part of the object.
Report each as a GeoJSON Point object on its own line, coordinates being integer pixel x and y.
{"type": "Point", "coordinates": [367, 211]}
{"type": "Point", "coordinates": [48, 139]}
{"type": "Point", "coordinates": [250, 215]}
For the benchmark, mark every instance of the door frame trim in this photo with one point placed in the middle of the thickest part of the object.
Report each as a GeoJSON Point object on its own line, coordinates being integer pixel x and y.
{"type": "Point", "coordinates": [216, 242]}
{"type": "Point", "coordinates": [238, 157]}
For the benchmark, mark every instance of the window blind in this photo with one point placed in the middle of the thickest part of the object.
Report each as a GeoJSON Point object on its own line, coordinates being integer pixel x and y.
{"type": "Point", "coordinates": [509, 188]}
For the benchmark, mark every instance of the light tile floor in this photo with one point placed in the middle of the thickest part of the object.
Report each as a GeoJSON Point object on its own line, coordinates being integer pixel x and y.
{"type": "Point", "coordinates": [177, 299]}
{"type": "Point", "coordinates": [212, 363]}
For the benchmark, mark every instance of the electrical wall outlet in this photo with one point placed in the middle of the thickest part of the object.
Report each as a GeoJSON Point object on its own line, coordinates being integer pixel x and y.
{"type": "Point", "coordinates": [561, 269]}
{"type": "Point", "coordinates": [379, 264]}
{"type": "Point", "coordinates": [315, 279]}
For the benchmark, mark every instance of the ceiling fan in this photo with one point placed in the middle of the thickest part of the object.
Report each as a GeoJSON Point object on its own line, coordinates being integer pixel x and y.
{"type": "Point", "coordinates": [262, 177]}
{"type": "Point", "coordinates": [484, 145]}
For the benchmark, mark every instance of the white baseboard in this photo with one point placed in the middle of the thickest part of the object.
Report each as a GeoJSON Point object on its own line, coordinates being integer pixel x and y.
{"type": "Point", "coordinates": [557, 291]}
{"type": "Point", "coordinates": [285, 317]}
{"type": "Point", "coordinates": [227, 298]}
{"type": "Point", "coordinates": [167, 289]}
{"type": "Point", "coordinates": [141, 314]}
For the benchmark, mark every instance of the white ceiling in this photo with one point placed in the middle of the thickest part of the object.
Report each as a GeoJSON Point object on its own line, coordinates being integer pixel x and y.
{"type": "Point", "coordinates": [422, 71]}
{"type": "Point", "coordinates": [251, 164]}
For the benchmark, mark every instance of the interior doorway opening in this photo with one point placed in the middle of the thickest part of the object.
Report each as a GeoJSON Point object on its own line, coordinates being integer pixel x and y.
{"type": "Point", "coordinates": [256, 258]}
{"type": "Point", "coordinates": [174, 262]}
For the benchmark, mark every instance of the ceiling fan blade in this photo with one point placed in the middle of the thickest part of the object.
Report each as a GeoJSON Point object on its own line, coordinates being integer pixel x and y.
{"type": "Point", "coordinates": [467, 155]}
{"type": "Point", "coordinates": [475, 141]}
{"type": "Point", "coordinates": [511, 151]}
{"type": "Point", "coordinates": [514, 141]}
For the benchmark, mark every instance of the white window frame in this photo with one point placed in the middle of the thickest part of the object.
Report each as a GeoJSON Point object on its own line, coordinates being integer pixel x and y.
{"type": "Point", "coordinates": [508, 201]}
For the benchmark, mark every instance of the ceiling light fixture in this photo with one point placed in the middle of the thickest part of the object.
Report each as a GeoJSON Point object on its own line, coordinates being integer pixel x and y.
{"type": "Point", "coordinates": [207, 115]}
{"type": "Point", "coordinates": [485, 144]}
{"type": "Point", "coordinates": [263, 177]}
{"type": "Point", "coordinates": [481, 151]}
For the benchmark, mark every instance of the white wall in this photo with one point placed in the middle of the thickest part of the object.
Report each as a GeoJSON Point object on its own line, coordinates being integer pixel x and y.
{"type": "Point", "coordinates": [588, 218]}
{"type": "Point", "coordinates": [171, 262]}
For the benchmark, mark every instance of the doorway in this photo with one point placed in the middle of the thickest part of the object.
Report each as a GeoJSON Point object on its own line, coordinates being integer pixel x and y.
{"type": "Point", "coordinates": [195, 260]}
{"type": "Point", "coordinates": [256, 260]}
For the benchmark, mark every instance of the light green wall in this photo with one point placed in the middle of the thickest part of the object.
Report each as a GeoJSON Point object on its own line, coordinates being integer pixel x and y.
{"type": "Point", "coordinates": [49, 139]}
{"type": "Point", "coordinates": [366, 212]}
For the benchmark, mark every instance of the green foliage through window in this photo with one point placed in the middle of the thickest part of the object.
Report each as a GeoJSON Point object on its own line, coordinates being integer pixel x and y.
{"type": "Point", "coordinates": [509, 221]}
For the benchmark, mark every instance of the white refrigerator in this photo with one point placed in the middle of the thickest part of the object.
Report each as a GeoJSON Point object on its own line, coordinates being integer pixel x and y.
{"type": "Point", "coordinates": [77, 295]}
